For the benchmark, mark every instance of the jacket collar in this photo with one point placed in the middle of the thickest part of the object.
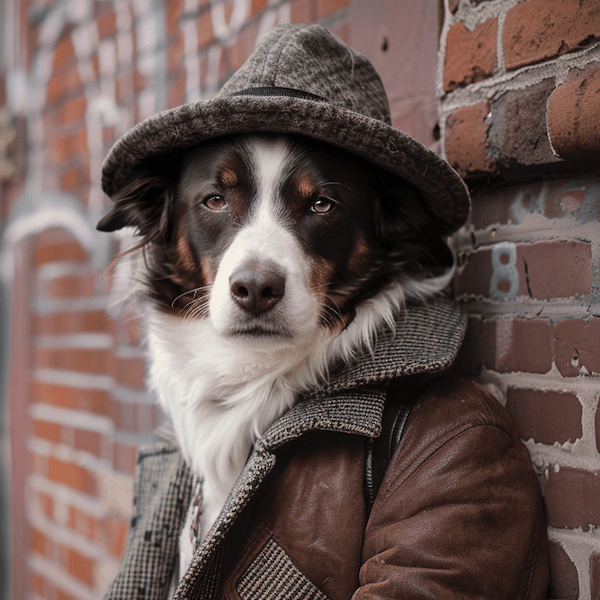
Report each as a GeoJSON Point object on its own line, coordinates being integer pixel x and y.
{"type": "Point", "coordinates": [426, 340]}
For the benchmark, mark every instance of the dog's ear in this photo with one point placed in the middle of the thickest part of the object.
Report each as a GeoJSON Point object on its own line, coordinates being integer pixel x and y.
{"type": "Point", "coordinates": [406, 227]}
{"type": "Point", "coordinates": [144, 203]}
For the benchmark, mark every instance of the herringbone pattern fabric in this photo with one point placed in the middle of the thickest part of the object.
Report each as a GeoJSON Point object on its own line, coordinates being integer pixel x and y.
{"type": "Point", "coordinates": [274, 576]}
{"type": "Point", "coordinates": [162, 489]}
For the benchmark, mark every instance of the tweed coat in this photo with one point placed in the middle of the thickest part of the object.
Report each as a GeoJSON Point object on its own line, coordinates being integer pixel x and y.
{"type": "Point", "coordinates": [349, 405]}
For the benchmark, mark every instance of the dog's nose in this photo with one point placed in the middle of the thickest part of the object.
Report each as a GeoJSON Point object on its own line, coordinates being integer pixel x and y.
{"type": "Point", "coordinates": [256, 287]}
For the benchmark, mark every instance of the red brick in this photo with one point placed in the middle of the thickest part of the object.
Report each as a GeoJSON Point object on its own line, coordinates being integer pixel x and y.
{"type": "Point", "coordinates": [173, 10]}
{"type": "Point", "coordinates": [38, 585]}
{"type": "Point", "coordinates": [80, 566]}
{"type": "Point", "coordinates": [93, 321]}
{"type": "Point", "coordinates": [205, 30]}
{"type": "Point", "coordinates": [75, 476]}
{"type": "Point", "coordinates": [563, 203]}
{"type": "Point", "coordinates": [175, 53]}
{"type": "Point", "coordinates": [564, 581]}
{"type": "Point", "coordinates": [474, 277]}
{"type": "Point", "coordinates": [94, 401]}
{"type": "Point", "coordinates": [239, 51]}
{"type": "Point", "coordinates": [74, 178]}
{"type": "Point", "coordinates": [506, 204]}
{"type": "Point", "coordinates": [62, 84]}
{"type": "Point", "coordinates": [545, 416]}
{"type": "Point", "coordinates": [72, 110]}
{"type": "Point", "coordinates": [131, 372]}
{"type": "Point", "coordinates": [61, 595]}
{"type": "Point", "coordinates": [40, 544]}
{"type": "Point", "coordinates": [537, 30]}
{"type": "Point", "coordinates": [571, 497]}
{"type": "Point", "coordinates": [88, 441]}
{"type": "Point", "coordinates": [507, 345]}
{"type": "Point", "coordinates": [573, 112]}
{"type": "Point", "coordinates": [84, 524]}
{"type": "Point", "coordinates": [59, 251]}
{"type": "Point", "coordinates": [517, 133]}
{"type": "Point", "coordinates": [467, 144]}
{"type": "Point", "coordinates": [70, 145]}
{"type": "Point", "coordinates": [107, 22]}
{"type": "Point", "coordinates": [47, 431]}
{"type": "Point", "coordinates": [71, 286]}
{"type": "Point", "coordinates": [64, 53]}
{"type": "Point", "coordinates": [470, 55]}
{"type": "Point", "coordinates": [302, 11]}
{"type": "Point", "coordinates": [257, 5]}
{"type": "Point", "coordinates": [577, 346]}
{"type": "Point", "coordinates": [116, 533]}
{"type": "Point", "coordinates": [80, 359]}
{"type": "Point", "coordinates": [554, 269]}
{"type": "Point", "coordinates": [328, 7]}
{"type": "Point", "coordinates": [177, 89]}
{"type": "Point", "coordinates": [44, 503]}
{"type": "Point", "coordinates": [124, 458]}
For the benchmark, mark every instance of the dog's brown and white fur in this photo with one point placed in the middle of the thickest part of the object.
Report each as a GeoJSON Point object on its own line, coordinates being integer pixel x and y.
{"type": "Point", "coordinates": [268, 259]}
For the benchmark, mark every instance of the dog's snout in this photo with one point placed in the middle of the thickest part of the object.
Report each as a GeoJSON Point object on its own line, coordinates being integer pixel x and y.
{"type": "Point", "coordinates": [256, 287]}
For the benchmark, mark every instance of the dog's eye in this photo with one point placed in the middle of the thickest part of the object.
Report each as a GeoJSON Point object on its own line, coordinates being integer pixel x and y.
{"type": "Point", "coordinates": [215, 202]}
{"type": "Point", "coordinates": [322, 205]}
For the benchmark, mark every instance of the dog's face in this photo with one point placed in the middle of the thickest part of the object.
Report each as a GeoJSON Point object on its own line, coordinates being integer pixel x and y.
{"type": "Point", "coordinates": [271, 237]}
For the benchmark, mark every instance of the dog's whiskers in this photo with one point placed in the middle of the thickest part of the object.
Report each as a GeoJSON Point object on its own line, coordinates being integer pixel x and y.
{"type": "Point", "coordinates": [193, 291]}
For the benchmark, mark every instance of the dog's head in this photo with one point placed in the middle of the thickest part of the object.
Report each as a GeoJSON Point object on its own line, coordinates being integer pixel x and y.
{"type": "Point", "coordinates": [271, 237]}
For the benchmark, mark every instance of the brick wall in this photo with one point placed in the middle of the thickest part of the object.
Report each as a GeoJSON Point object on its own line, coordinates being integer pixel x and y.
{"type": "Point", "coordinates": [519, 83]}
{"type": "Point", "coordinates": [75, 76]}
{"type": "Point", "coordinates": [517, 101]}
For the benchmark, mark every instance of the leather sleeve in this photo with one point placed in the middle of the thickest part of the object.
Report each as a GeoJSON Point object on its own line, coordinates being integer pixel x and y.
{"type": "Point", "coordinates": [459, 514]}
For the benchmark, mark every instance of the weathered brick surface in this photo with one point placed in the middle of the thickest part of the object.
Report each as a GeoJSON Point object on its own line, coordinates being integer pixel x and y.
{"type": "Point", "coordinates": [571, 497]}
{"type": "Point", "coordinates": [537, 30]}
{"type": "Point", "coordinates": [545, 416]}
{"type": "Point", "coordinates": [573, 114]}
{"type": "Point", "coordinates": [577, 346]}
{"type": "Point", "coordinates": [554, 269]}
{"type": "Point", "coordinates": [507, 345]}
{"type": "Point", "coordinates": [564, 582]}
{"type": "Point", "coordinates": [517, 134]}
{"type": "Point", "coordinates": [470, 55]}
{"type": "Point", "coordinates": [467, 144]}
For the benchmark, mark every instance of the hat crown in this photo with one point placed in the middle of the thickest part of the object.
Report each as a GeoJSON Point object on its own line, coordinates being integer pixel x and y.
{"type": "Point", "coordinates": [311, 60]}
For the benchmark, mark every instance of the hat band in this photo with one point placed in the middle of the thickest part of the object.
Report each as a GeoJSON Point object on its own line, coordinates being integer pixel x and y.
{"type": "Point", "coordinates": [278, 91]}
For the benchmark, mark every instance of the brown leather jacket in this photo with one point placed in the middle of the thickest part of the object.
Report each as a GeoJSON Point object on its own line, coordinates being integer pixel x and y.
{"type": "Point", "coordinates": [458, 515]}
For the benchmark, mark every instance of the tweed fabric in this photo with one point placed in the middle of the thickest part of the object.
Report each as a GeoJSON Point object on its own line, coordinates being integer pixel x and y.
{"type": "Point", "coordinates": [428, 339]}
{"type": "Point", "coordinates": [274, 576]}
{"type": "Point", "coordinates": [340, 101]}
{"type": "Point", "coordinates": [162, 489]}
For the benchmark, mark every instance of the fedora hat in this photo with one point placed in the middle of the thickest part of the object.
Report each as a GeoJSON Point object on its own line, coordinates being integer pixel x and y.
{"type": "Point", "coordinates": [301, 80]}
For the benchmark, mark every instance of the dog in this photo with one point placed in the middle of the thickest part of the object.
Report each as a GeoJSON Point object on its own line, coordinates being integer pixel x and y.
{"type": "Point", "coordinates": [268, 260]}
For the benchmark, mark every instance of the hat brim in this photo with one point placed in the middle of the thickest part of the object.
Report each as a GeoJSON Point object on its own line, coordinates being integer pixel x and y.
{"type": "Point", "coordinates": [187, 126]}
